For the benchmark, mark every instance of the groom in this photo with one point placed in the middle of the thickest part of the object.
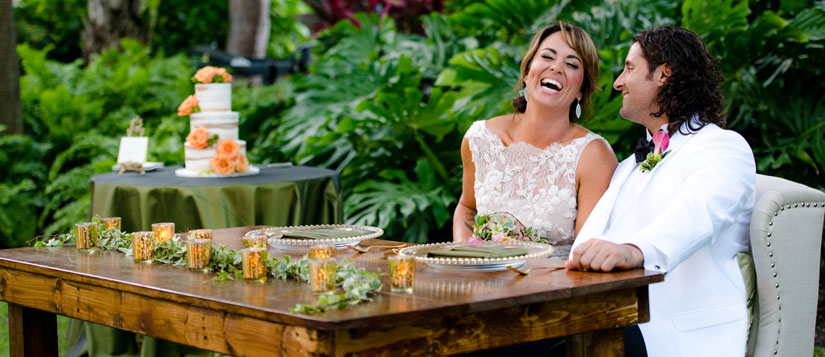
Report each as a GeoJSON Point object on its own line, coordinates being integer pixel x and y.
{"type": "Point", "coordinates": [688, 213]}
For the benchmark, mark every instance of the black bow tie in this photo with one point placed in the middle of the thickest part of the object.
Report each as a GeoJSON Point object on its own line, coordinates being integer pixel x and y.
{"type": "Point", "coordinates": [643, 147]}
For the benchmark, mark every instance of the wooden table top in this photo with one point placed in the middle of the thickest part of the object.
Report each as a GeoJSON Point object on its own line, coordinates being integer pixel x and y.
{"type": "Point", "coordinates": [436, 292]}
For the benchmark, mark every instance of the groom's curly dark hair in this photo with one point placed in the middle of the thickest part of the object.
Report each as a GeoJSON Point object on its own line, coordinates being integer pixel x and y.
{"type": "Point", "coordinates": [693, 86]}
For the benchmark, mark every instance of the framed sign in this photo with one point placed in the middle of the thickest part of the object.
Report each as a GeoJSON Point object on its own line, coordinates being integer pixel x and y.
{"type": "Point", "coordinates": [133, 149]}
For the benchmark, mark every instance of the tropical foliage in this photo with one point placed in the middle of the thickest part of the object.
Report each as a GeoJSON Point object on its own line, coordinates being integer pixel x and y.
{"type": "Point", "coordinates": [387, 108]}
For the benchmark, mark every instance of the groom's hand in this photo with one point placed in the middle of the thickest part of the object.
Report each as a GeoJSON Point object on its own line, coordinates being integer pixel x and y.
{"type": "Point", "coordinates": [600, 255]}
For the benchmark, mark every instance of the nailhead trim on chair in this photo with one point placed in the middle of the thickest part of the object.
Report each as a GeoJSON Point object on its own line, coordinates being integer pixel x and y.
{"type": "Point", "coordinates": [773, 265]}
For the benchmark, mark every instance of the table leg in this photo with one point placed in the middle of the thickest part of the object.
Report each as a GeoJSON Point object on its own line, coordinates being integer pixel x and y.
{"type": "Point", "coordinates": [608, 343]}
{"type": "Point", "coordinates": [32, 332]}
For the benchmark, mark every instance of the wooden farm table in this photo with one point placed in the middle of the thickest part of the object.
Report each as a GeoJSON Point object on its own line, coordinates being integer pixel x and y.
{"type": "Point", "coordinates": [447, 312]}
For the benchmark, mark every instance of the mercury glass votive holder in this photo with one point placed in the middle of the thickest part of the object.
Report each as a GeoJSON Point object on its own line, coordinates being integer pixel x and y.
{"type": "Point", "coordinates": [163, 231]}
{"type": "Point", "coordinates": [322, 275]}
{"type": "Point", "coordinates": [200, 234]}
{"type": "Point", "coordinates": [402, 273]}
{"type": "Point", "coordinates": [254, 264]}
{"type": "Point", "coordinates": [322, 251]}
{"type": "Point", "coordinates": [256, 240]}
{"type": "Point", "coordinates": [110, 222]}
{"type": "Point", "coordinates": [143, 246]}
{"type": "Point", "coordinates": [86, 236]}
{"type": "Point", "coordinates": [198, 252]}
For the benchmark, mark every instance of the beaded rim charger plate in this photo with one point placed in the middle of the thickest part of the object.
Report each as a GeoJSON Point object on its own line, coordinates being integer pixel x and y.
{"type": "Point", "coordinates": [534, 250]}
{"type": "Point", "coordinates": [275, 235]}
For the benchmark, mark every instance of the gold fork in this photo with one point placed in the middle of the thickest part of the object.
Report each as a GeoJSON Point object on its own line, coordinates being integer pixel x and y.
{"type": "Point", "coordinates": [364, 250]}
{"type": "Point", "coordinates": [525, 272]}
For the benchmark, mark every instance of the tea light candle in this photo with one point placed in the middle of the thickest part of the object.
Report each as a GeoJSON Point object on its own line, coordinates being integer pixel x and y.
{"type": "Point", "coordinates": [86, 236]}
{"type": "Point", "coordinates": [163, 231]}
{"type": "Point", "coordinates": [110, 222]}
{"type": "Point", "coordinates": [322, 251]}
{"type": "Point", "coordinates": [254, 241]}
{"type": "Point", "coordinates": [322, 275]}
{"type": "Point", "coordinates": [200, 234]}
{"type": "Point", "coordinates": [402, 272]}
{"type": "Point", "coordinates": [143, 246]}
{"type": "Point", "coordinates": [198, 252]}
{"type": "Point", "coordinates": [253, 261]}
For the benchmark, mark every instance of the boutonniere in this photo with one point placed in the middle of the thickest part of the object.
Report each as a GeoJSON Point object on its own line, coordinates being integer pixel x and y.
{"type": "Point", "coordinates": [660, 142]}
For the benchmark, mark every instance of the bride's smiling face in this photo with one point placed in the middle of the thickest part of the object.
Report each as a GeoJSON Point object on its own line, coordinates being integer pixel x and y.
{"type": "Point", "coordinates": [555, 75]}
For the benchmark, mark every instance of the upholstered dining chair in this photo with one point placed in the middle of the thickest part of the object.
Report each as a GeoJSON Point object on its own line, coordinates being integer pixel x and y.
{"type": "Point", "coordinates": [786, 234]}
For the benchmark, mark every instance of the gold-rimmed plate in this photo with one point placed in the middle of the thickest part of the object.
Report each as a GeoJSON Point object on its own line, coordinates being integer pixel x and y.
{"type": "Point", "coordinates": [534, 250]}
{"type": "Point", "coordinates": [303, 237]}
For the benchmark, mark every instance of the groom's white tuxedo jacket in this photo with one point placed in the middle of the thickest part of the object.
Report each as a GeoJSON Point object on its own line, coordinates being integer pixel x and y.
{"type": "Point", "coordinates": [690, 216]}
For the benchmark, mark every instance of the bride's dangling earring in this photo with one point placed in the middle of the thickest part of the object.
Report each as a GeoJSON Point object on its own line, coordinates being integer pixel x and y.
{"type": "Point", "coordinates": [578, 108]}
{"type": "Point", "coordinates": [524, 94]}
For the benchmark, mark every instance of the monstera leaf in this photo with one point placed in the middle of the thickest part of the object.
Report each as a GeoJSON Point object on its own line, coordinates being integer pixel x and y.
{"type": "Point", "coordinates": [417, 206]}
{"type": "Point", "coordinates": [486, 79]}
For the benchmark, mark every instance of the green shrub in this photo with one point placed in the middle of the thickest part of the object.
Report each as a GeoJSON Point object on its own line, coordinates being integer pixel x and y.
{"type": "Point", "coordinates": [80, 112]}
{"type": "Point", "coordinates": [51, 24]}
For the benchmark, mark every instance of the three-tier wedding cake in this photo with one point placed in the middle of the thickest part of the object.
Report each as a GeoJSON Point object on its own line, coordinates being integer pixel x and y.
{"type": "Point", "coordinates": [212, 147]}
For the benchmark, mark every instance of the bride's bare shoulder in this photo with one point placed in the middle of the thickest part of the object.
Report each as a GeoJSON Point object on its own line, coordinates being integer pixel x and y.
{"type": "Point", "coordinates": [500, 124]}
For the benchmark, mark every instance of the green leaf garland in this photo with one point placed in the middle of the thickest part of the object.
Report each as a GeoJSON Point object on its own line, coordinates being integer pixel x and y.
{"type": "Point", "coordinates": [358, 284]}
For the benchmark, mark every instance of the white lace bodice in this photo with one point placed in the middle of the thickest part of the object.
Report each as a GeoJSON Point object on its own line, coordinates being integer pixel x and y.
{"type": "Point", "coordinates": [537, 186]}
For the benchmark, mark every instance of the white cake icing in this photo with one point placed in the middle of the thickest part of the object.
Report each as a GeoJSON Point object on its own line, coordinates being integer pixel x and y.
{"type": "Point", "coordinates": [214, 97]}
{"type": "Point", "coordinates": [217, 117]}
{"type": "Point", "coordinates": [197, 160]}
{"type": "Point", "coordinates": [225, 124]}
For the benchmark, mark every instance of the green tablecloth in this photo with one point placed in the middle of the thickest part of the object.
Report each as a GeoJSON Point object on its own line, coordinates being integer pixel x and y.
{"type": "Point", "coordinates": [275, 197]}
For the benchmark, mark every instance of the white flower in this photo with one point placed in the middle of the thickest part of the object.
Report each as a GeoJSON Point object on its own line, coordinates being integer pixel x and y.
{"type": "Point", "coordinates": [493, 179]}
{"type": "Point", "coordinates": [565, 194]}
{"type": "Point", "coordinates": [568, 153]}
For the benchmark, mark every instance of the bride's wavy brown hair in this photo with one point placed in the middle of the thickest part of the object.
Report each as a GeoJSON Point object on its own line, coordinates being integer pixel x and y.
{"type": "Point", "coordinates": [580, 42]}
{"type": "Point", "coordinates": [693, 86]}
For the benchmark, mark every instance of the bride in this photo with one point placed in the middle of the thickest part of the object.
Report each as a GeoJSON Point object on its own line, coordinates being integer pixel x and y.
{"type": "Point", "coordinates": [537, 163]}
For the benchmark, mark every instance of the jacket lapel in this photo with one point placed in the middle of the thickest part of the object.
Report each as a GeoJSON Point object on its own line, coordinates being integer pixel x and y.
{"type": "Point", "coordinates": [660, 170]}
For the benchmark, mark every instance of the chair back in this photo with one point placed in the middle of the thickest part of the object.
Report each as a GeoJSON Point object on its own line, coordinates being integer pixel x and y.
{"type": "Point", "coordinates": [785, 237]}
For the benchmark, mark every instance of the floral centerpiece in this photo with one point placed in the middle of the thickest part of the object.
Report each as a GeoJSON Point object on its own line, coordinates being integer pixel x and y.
{"type": "Point", "coordinates": [502, 227]}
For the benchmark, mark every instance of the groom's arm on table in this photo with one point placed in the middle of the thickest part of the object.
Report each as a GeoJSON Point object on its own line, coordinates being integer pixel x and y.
{"type": "Point", "coordinates": [465, 211]}
{"type": "Point", "coordinates": [720, 177]}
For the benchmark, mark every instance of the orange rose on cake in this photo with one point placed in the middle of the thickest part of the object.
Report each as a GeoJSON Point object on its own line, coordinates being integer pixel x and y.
{"type": "Point", "coordinates": [242, 164]}
{"type": "Point", "coordinates": [198, 138]}
{"type": "Point", "coordinates": [222, 165]}
{"type": "Point", "coordinates": [227, 148]}
{"type": "Point", "coordinates": [223, 74]}
{"type": "Point", "coordinates": [189, 105]}
{"type": "Point", "coordinates": [205, 74]}
{"type": "Point", "coordinates": [211, 74]}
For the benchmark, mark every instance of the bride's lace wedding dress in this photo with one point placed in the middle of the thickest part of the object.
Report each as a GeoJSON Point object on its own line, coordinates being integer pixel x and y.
{"type": "Point", "coordinates": [537, 186]}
